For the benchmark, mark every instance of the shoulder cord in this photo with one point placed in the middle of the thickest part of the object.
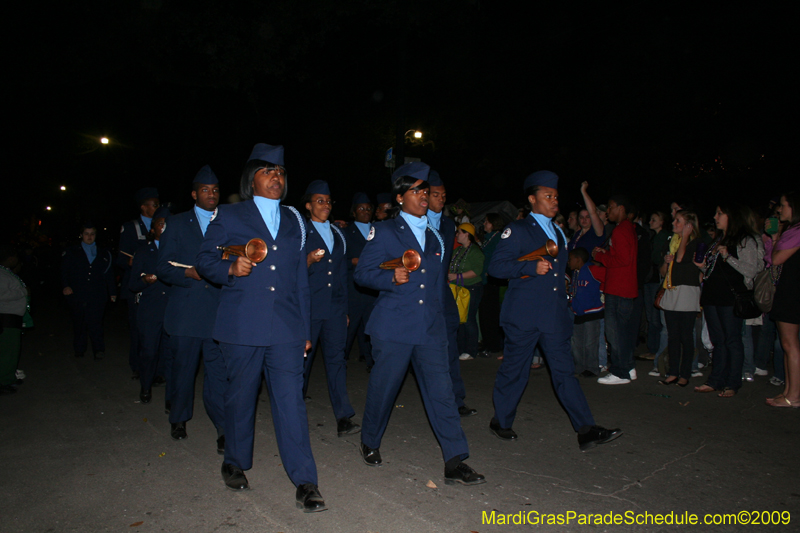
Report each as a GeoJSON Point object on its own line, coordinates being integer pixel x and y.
{"type": "Point", "coordinates": [441, 242]}
{"type": "Point", "coordinates": [302, 225]}
{"type": "Point", "coordinates": [341, 236]}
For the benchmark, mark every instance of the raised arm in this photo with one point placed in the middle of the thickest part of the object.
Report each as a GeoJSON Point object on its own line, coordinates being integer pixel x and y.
{"type": "Point", "coordinates": [597, 224]}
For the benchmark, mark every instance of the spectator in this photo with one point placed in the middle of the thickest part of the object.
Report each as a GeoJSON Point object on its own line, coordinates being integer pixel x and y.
{"type": "Point", "coordinates": [587, 306]}
{"type": "Point", "coordinates": [489, 311]}
{"type": "Point", "coordinates": [681, 301]}
{"type": "Point", "coordinates": [466, 268]}
{"type": "Point", "coordinates": [13, 306]}
{"type": "Point", "coordinates": [785, 311]}
{"type": "Point", "coordinates": [590, 225]}
{"type": "Point", "coordinates": [730, 265]}
{"type": "Point", "coordinates": [656, 330]}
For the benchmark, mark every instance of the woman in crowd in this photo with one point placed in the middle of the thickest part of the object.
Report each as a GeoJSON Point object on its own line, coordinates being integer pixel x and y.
{"type": "Point", "coordinates": [681, 301]}
{"type": "Point", "coordinates": [493, 226]}
{"type": "Point", "coordinates": [466, 268]}
{"type": "Point", "coordinates": [785, 311]}
{"type": "Point", "coordinates": [730, 266]}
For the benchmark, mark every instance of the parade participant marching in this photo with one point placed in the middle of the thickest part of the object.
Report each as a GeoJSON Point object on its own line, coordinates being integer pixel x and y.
{"type": "Point", "coordinates": [327, 278]}
{"type": "Point", "coordinates": [132, 236]}
{"type": "Point", "coordinates": [263, 322]}
{"type": "Point", "coordinates": [360, 300]}
{"type": "Point", "coordinates": [447, 229]}
{"type": "Point", "coordinates": [407, 325]}
{"type": "Point", "coordinates": [191, 311]}
{"type": "Point", "coordinates": [87, 278]}
{"type": "Point", "coordinates": [535, 312]}
{"type": "Point", "coordinates": [151, 302]}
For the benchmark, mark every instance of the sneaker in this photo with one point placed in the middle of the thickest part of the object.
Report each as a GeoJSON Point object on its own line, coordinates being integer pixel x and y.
{"type": "Point", "coordinates": [697, 374]}
{"type": "Point", "coordinates": [747, 376]}
{"type": "Point", "coordinates": [700, 365]}
{"type": "Point", "coordinates": [774, 380]}
{"type": "Point", "coordinates": [603, 368]}
{"type": "Point", "coordinates": [465, 357]}
{"type": "Point", "coordinates": [655, 373]}
{"type": "Point", "coordinates": [632, 373]}
{"type": "Point", "coordinates": [611, 379]}
{"type": "Point", "coordinates": [20, 374]}
{"type": "Point", "coordinates": [761, 372]}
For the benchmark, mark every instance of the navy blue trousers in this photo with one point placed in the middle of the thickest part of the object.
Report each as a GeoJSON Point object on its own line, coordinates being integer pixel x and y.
{"type": "Point", "coordinates": [512, 376]}
{"type": "Point", "coordinates": [359, 316]}
{"type": "Point", "coordinates": [433, 377]}
{"type": "Point", "coordinates": [153, 350]}
{"type": "Point", "coordinates": [281, 366]}
{"type": "Point", "coordinates": [452, 325]}
{"type": "Point", "coordinates": [87, 317]}
{"type": "Point", "coordinates": [333, 334]}
{"type": "Point", "coordinates": [186, 360]}
{"type": "Point", "coordinates": [133, 354]}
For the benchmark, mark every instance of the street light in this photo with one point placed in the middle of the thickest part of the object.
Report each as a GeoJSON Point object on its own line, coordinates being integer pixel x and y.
{"type": "Point", "coordinates": [49, 208]}
{"type": "Point", "coordinates": [417, 134]}
{"type": "Point", "coordinates": [63, 188]}
{"type": "Point", "coordinates": [103, 140]}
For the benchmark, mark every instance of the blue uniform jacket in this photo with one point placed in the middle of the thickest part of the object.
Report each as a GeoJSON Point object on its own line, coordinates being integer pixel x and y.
{"type": "Point", "coordinates": [87, 280]}
{"type": "Point", "coordinates": [411, 313]}
{"type": "Point", "coordinates": [130, 240]}
{"type": "Point", "coordinates": [327, 279]}
{"type": "Point", "coordinates": [537, 302]}
{"type": "Point", "coordinates": [272, 305]}
{"type": "Point", "coordinates": [192, 306]}
{"type": "Point", "coordinates": [154, 295]}
{"type": "Point", "coordinates": [358, 296]}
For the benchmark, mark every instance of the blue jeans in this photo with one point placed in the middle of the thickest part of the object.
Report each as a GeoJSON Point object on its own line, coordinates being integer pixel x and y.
{"type": "Point", "coordinates": [468, 331]}
{"type": "Point", "coordinates": [585, 338]}
{"type": "Point", "coordinates": [602, 352]}
{"type": "Point", "coordinates": [769, 339]}
{"type": "Point", "coordinates": [725, 331]}
{"type": "Point", "coordinates": [618, 316]}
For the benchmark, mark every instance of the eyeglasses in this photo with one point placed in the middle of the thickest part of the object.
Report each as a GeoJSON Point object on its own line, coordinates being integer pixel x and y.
{"type": "Point", "coordinates": [277, 170]}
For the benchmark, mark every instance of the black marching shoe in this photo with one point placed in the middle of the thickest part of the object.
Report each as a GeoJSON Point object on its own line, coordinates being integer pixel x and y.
{"type": "Point", "coordinates": [371, 456]}
{"type": "Point", "coordinates": [501, 433]}
{"type": "Point", "coordinates": [309, 499]}
{"type": "Point", "coordinates": [178, 431]}
{"type": "Point", "coordinates": [597, 435]}
{"type": "Point", "coordinates": [345, 426]}
{"type": "Point", "coordinates": [221, 445]}
{"type": "Point", "coordinates": [463, 474]}
{"type": "Point", "coordinates": [159, 381]}
{"type": "Point", "coordinates": [234, 477]}
{"type": "Point", "coordinates": [167, 406]}
{"type": "Point", "coordinates": [145, 395]}
{"type": "Point", "coordinates": [465, 411]}
{"type": "Point", "coordinates": [99, 355]}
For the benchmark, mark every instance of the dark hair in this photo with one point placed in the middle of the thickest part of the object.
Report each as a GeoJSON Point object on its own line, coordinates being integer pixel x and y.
{"type": "Point", "coordinates": [401, 186]}
{"type": "Point", "coordinates": [497, 222]}
{"type": "Point", "coordinates": [738, 227]}
{"type": "Point", "coordinates": [530, 191]}
{"type": "Point", "coordinates": [793, 199]}
{"type": "Point", "coordinates": [7, 251]}
{"type": "Point", "coordinates": [88, 224]}
{"type": "Point", "coordinates": [624, 201]}
{"type": "Point", "coordinates": [581, 253]}
{"type": "Point", "coordinates": [249, 173]}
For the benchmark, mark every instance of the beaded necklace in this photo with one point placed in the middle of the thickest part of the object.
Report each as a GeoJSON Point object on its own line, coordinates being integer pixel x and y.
{"type": "Point", "coordinates": [711, 257]}
{"type": "Point", "coordinates": [458, 258]}
{"type": "Point", "coordinates": [490, 239]}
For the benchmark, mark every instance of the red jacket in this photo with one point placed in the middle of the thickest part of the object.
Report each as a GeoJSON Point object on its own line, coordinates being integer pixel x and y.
{"type": "Point", "coordinates": [620, 262]}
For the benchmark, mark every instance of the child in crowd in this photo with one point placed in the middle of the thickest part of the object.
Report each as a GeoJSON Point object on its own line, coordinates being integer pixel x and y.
{"type": "Point", "coordinates": [587, 305]}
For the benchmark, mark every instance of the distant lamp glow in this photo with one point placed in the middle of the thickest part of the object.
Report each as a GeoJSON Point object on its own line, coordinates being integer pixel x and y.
{"type": "Point", "coordinates": [63, 188]}
{"type": "Point", "coordinates": [103, 140]}
{"type": "Point", "coordinates": [418, 135]}
{"type": "Point", "coordinates": [49, 208]}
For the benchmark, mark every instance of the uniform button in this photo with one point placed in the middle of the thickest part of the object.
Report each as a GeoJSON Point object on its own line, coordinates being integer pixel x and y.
{"type": "Point", "coordinates": [330, 260]}
{"type": "Point", "coordinates": [422, 286]}
{"type": "Point", "coordinates": [555, 288]}
{"type": "Point", "coordinates": [206, 286]}
{"type": "Point", "coordinates": [329, 272]}
{"type": "Point", "coordinates": [423, 270]}
{"type": "Point", "coordinates": [421, 302]}
{"type": "Point", "coordinates": [272, 267]}
{"type": "Point", "coordinates": [271, 288]}
{"type": "Point", "coordinates": [274, 246]}
{"type": "Point", "coordinates": [555, 260]}
{"type": "Point", "coordinates": [556, 274]}
{"type": "Point", "coordinates": [329, 284]}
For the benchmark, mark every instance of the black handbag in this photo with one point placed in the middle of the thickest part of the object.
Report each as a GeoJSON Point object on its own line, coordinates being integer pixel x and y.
{"type": "Point", "coordinates": [744, 305]}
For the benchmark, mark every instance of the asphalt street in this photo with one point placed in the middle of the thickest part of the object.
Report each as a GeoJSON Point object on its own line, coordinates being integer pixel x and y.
{"type": "Point", "coordinates": [81, 454]}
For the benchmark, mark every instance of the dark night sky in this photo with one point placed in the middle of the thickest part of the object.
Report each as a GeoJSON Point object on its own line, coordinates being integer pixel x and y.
{"type": "Point", "coordinates": [633, 97]}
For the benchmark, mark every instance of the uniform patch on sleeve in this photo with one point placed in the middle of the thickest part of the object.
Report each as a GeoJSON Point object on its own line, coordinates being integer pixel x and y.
{"type": "Point", "coordinates": [214, 214]}
{"type": "Point", "coordinates": [506, 233]}
{"type": "Point", "coordinates": [371, 233]}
